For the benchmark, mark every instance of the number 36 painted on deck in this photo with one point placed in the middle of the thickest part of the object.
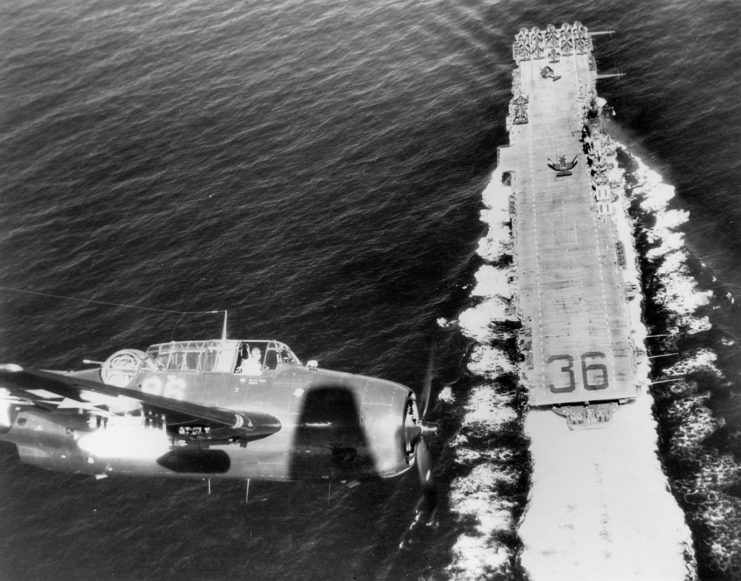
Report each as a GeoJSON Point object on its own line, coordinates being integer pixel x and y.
{"type": "Point", "coordinates": [594, 375]}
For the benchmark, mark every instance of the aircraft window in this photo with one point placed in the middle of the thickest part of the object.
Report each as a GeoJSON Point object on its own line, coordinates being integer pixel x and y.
{"type": "Point", "coordinates": [209, 359]}
{"type": "Point", "coordinates": [268, 355]}
{"type": "Point", "coordinates": [177, 359]}
{"type": "Point", "coordinates": [219, 357]}
{"type": "Point", "coordinates": [271, 358]}
{"type": "Point", "coordinates": [178, 356]}
{"type": "Point", "coordinates": [285, 355]}
{"type": "Point", "coordinates": [192, 360]}
{"type": "Point", "coordinates": [163, 354]}
{"type": "Point", "coordinates": [192, 355]}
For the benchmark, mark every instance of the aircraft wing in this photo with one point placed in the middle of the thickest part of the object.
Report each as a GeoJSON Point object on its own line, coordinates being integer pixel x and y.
{"type": "Point", "coordinates": [29, 384]}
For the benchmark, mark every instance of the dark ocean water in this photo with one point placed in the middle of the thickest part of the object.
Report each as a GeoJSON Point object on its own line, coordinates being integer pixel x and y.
{"type": "Point", "coordinates": [317, 169]}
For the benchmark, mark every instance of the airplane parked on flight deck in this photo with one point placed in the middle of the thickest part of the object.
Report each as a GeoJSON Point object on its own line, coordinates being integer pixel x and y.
{"type": "Point", "coordinates": [563, 168]}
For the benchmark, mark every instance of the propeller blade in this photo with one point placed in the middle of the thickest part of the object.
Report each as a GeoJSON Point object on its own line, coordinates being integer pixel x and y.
{"type": "Point", "coordinates": [427, 387]}
{"type": "Point", "coordinates": [424, 465]}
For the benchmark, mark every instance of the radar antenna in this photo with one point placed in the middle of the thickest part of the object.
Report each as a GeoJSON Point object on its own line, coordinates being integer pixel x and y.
{"type": "Point", "coordinates": [223, 330]}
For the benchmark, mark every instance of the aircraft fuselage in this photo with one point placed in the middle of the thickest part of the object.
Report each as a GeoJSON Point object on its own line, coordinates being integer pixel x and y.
{"type": "Point", "coordinates": [330, 425]}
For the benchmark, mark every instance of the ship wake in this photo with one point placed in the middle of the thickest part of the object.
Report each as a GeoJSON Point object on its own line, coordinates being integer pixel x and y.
{"type": "Point", "coordinates": [683, 301]}
{"type": "Point", "coordinates": [491, 457]}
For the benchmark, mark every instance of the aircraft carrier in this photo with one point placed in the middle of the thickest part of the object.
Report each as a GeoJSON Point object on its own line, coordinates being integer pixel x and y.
{"type": "Point", "coordinates": [581, 338]}
{"type": "Point", "coordinates": [574, 284]}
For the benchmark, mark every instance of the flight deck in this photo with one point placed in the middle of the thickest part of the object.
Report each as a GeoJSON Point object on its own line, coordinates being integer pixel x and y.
{"type": "Point", "coordinates": [572, 294]}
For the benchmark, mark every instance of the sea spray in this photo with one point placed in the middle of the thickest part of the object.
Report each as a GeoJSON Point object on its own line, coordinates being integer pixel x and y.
{"type": "Point", "coordinates": [703, 477]}
{"type": "Point", "coordinates": [491, 451]}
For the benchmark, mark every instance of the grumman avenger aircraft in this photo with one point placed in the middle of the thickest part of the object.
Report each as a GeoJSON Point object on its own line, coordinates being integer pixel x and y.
{"type": "Point", "coordinates": [223, 408]}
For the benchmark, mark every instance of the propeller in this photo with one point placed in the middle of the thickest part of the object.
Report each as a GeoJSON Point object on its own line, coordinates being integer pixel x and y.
{"type": "Point", "coordinates": [424, 464]}
{"type": "Point", "coordinates": [425, 429]}
{"type": "Point", "coordinates": [427, 386]}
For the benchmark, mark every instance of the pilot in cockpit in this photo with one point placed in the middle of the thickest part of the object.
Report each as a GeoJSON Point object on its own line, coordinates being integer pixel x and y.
{"type": "Point", "coordinates": [251, 365]}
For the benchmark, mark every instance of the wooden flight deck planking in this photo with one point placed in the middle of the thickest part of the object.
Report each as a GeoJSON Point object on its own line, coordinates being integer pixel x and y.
{"type": "Point", "coordinates": [571, 291]}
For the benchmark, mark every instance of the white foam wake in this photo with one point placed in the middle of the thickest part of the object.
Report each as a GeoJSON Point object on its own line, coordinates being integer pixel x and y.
{"type": "Point", "coordinates": [705, 487]}
{"type": "Point", "coordinates": [490, 409]}
{"type": "Point", "coordinates": [599, 505]}
{"type": "Point", "coordinates": [708, 475]}
{"type": "Point", "coordinates": [679, 294]}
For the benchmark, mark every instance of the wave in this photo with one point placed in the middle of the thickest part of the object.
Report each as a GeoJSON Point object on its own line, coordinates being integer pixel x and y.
{"type": "Point", "coordinates": [490, 450]}
{"type": "Point", "coordinates": [667, 250]}
{"type": "Point", "coordinates": [703, 477]}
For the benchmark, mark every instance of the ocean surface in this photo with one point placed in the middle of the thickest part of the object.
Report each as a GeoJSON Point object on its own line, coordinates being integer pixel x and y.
{"type": "Point", "coordinates": [317, 168]}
